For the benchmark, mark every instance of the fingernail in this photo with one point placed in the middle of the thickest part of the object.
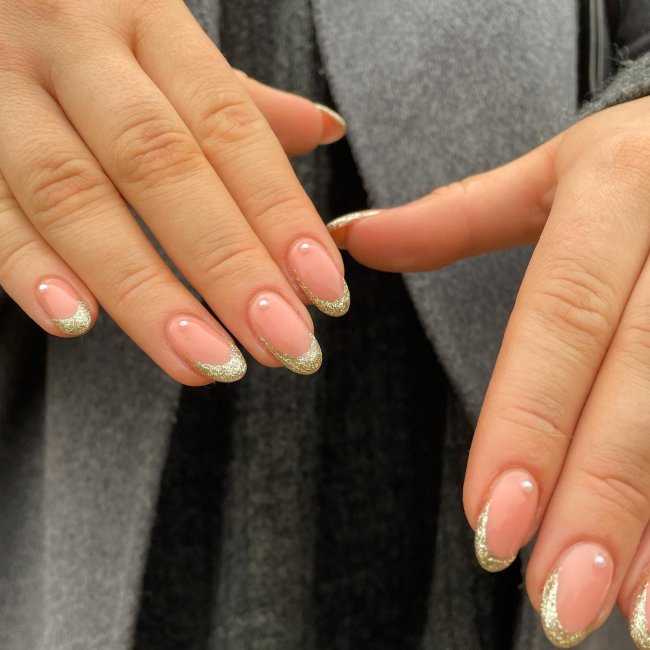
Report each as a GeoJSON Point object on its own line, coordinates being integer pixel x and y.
{"type": "Point", "coordinates": [64, 306]}
{"type": "Point", "coordinates": [207, 351]}
{"type": "Point", "coordinates": [334, 126]}
{"type": "Point", "coordinates": [639, 620]}
{"type": "Point", "coordinates": [319, 277]}
{"type": "Point", "coordinates": [284, 333]}
{"type": "Point", "coordinates": [337, 226]}
{"type": "Point", "coordinates": [506, 519]}
{"type": "Point", "coordinates": [574, 594]}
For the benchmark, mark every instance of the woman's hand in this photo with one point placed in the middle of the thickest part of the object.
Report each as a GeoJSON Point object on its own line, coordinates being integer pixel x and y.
{"type": "Point", "coordinates": [104, 103]}
{"type": "Point", "coordinates": [563, 441]}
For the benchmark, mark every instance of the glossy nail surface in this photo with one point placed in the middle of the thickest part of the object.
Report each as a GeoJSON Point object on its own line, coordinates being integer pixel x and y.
{"type": "Point", "coordinates": [206, 350]}
{"type": "Point", "coordinates": [64, 306]}
{"type": "Point", "coordinates": [318, 277]}
{"type": "Point", "coordinates": [575, 592]}
{"type": "Point", "coordinates": [334, 126]}
{"type": "Point", "coordinates": [506, 519]}
{"type": "Point", "coordinates": [284, 333]}
{"type": "Point", "coordinates": [639, 620]}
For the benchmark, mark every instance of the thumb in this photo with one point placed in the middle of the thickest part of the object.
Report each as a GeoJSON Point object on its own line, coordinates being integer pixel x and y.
{"type": "Point", "coordinates": [506, 206]}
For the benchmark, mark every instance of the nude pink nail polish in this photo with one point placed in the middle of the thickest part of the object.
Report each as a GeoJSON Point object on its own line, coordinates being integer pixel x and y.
{"type": "Point", "coordinates": [334, 126]}
{"type": "Point", "coordinates": [575, 593]}
{"type": "Point", "coordinates": [64, 306]}
{"type": "Point", "coordinates": [506, 519]}
{"type": "Point", "coordinates": [318, 277]}
{"type": "Point", "coordinates": [284, 333]}
{"type": "Point", "coordinates": [206, 350]}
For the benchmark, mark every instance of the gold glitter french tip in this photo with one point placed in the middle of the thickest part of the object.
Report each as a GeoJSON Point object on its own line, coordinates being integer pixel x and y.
{"type": "Point", "coordinates": [341, 222]}
{"type": "Point", "coordinates": [639, 620]}
{"type": "Point", "coordinates": [69, 313]}
{"type": "Point", "coordinates": [284, 333]}
{"type": "Point", "coordinates": [318, 277]}
{"type": "Point", "coordinates": [207, 351]}
{"type": "Point", "coordinates": [506, 519]}
{"type": "Point", "coordinates": [574, 594]}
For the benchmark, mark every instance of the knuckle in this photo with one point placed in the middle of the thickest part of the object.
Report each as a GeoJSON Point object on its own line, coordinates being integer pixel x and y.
{"type": "Point", "coordinates": [617, 490]}
{"type": "Point", "coordinates": [633, 339]}
{"type": "Point", "coordinates": [629, 153]}
{"type": "Point", "coordinates": [138, 284]}
{"type": "Point", "coordinates": [228, 118]}
{"type": "Point", "coordinates": [229, 259]}
{"type": "Point", "coordinates": [579, 302]}
{"type": "Point", "coordinates": [150, 149]}
{"type": "Point", "coordinates": [61, 189]}
{"type": "Point", "coordinates": [271, 205]}
{"type": "Point", "coordinates": [15, 252]}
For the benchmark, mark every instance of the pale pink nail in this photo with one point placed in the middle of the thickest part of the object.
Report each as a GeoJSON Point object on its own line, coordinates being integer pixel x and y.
{"type": "Point", "coordinates": [318, 277]}
{"type": "Point", "coordinates": [207, 351]}
{"type": "Point", "coordinates": [334, 126]}
{"type": "Point", "coordinates": [64, 306]}
{"type": "Point", "coordinates": [575, 593]}
{"type": "Point", "coordinates": [284, 333]}
{"type": "Point", "coordinates": [506, 519]}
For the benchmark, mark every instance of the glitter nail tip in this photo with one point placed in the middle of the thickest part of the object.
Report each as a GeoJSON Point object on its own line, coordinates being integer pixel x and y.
{"type": "Point", "coordinates": [488, 561]}
{"type": "Point", "coordinates": [338, 307]}
{"type": "Point", "coordinates": [77, 324]}
{"type": "Point", "coordinates": [305, 364]}
{"type": "Point", "coordinates": [340, 222]}
{"type": "Point", "coordinates": [553, 629]}
{"type": "Point", "coordinates": [639, 621]}
{"type": "Point", "coordinates": [226, 373]}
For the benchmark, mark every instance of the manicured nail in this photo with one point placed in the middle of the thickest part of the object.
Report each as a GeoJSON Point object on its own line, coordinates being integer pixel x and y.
{"type": "Point", "coordinates": [206, 350]}
{"type": "Point", "coordinates": [64, 306]}
{"type": "Point", "coordinates": [334, 126]}
{"type": "Point", "coordinates": [337, 227]}
{"type": "Point", "coordinates": [639, 620]}
{"type": "Point", "coordinates": [318, 277]}
{"type": "Point", "coordinates": [284, 333]}
{"type": "Point", "coordinates": [574, 594]}
{"type": "Point", "coordinates": [506, 519]}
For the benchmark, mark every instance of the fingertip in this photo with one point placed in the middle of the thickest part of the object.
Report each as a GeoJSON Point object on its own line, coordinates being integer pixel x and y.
{"type": "Point", "coordinates": [334, 127]}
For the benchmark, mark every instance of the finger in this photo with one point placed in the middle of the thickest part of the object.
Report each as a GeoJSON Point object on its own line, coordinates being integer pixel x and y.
{"type": "Point", "coordinates": [37, 278]}
{"type": "Point", "coordinates": [161, 171]}
{"type": "Point", "coordinates": [66, 195]}
{"type": "Point", "coordinates": [242, 148]}
{"type": "Point", "coordinates": [601, 504]}
{"type": "Point", "coordinates": [633, 598]}
{"type": "Point", "coordinates": [577, 284]}
{"type": "Point", "coordinates": [299, 124]}
{"type": "Point", "coordinates": [504, 207]}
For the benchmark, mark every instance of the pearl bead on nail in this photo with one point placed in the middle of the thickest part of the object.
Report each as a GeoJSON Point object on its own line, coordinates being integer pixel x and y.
{"type": "Point", "coordinates": [304, 247]}
{"type": "Point", "coordinates": [183, 324]}
{"type": "Point", "coordinates": [599, 561]}
{"type": "Point", "coordinates": [527, 486]}
{"type": "Point", "coordinates": [43, 287]}
{"type": "Point", "coordinates": [263, 303]}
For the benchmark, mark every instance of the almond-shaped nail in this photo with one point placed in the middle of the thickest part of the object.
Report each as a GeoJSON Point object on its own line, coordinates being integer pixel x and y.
{"type": "Point", "coordinates": [319, 277]}
{"type": "Point", "coordinates": [337, 227]}
{"type": "Point", "coordinates": [575, 593]}
{"type": "Point", "coordinates": [206, 350]}
{"type": "Point", "coordinates": [284, 333]}
{"type": "Point", "coordinates": [639, 630]}
{"type": "Point", "coordinates": [69, 313]}
{"type": "Point", "coordinates": [506, 519]}
{"type": "Point", "coordinates": [334, 126]}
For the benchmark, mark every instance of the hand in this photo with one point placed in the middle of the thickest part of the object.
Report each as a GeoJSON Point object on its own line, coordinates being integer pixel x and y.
{"type": "Point", "coordinates": [563, 440]}
{"type": "Point", "coordinates": [123, 100]}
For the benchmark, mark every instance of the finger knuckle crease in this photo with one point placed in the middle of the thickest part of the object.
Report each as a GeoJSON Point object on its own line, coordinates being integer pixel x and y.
{"type": "Point", "coordinates": [279, 204]}
{"type": "Point", "coordinates": [226, 260]}
{"type": "Point", "coordinates": [630, 153]}
{"type": "Point", "coordinates": [14, 254]}
{"type": "Point", "coordinates": [227, 119]}
{"type": "Point", "coordinates": [139, 284]}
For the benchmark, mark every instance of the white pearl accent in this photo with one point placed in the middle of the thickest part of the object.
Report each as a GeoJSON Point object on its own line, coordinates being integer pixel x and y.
{"type": "Point", "coordinates": [304, 247]}
{"type": "Point", "coordinates": [183, 324]}
{"type": "Point", "coordinates": [600, 561]}
{"type": "Point", "coordinates": [263, 303]}
{"type": "Point", "coordinates": [527, 486]}
{"type": "Point", "coordinates": [43, 287]}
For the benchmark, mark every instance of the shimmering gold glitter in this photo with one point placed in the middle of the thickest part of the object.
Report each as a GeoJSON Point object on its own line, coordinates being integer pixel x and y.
{"type": "Point", "coordinates": [550, 620]}
{"type": "Point", "coordinates": [488, 561]}
{"type": "Point", "coordinates": [306, 364]}
{"type": "Point", "coordinates": [638, 623]}
{"type": "Point", "coordinates": [337, 307]}
{"type": "Point", "coordinates": [233, 370]}
{"type": "Point", "coordinates": [339, 222]}
{"type": "Point", "coordinates": [77, 324]}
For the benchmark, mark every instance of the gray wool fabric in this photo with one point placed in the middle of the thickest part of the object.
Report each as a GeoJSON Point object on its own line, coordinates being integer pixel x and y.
{"type": "Point", "coordinates": [432, 93]}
